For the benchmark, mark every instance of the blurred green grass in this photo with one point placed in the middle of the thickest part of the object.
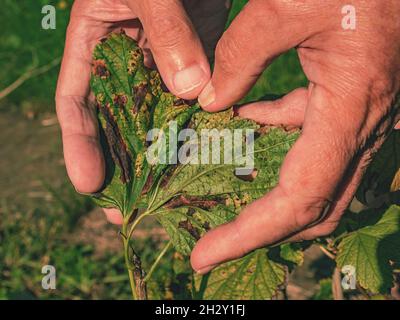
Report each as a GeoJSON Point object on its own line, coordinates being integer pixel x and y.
{"type": "Point", "coordinates": [24, 44]}
{"type": "Point", "coordinates": [34, 235]}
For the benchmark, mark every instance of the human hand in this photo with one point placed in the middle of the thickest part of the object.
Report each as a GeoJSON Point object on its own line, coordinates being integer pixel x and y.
{"type": "Point", "coordinates": [178, 40]}
{"type": "Point", "coordinates": [349, 108]}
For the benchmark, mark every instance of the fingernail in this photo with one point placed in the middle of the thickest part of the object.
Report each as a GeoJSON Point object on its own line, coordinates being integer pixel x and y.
{"type": "Point", "coordinates": [207, 96]}
{"type": "Point", "coordinates": [205, 270]}
{"type": "Point", "coordinates": [188, 79]}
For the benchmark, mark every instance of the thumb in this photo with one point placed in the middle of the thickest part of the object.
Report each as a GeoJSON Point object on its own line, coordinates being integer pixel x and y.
{"type": "Point", "coordinates": [302, 196]}
{"type": "Point", "coordinates": [262, 31]}
{"type": "Point", "coordinates": [211, 250]}
{"type": "Point", "coordinates": [176, 48]}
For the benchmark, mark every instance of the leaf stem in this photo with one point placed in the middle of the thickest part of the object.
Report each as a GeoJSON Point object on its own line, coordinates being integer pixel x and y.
{"type": "Point", "coordinates": [128, 262]}
{"type": "Point", "coordinates": [327, 252]}
{"type": "Point", "coordinates": [135, 224]}
{"type": "Point", "coordinates": [157, 261]}
{"type": "Point", "coordinates": [132, 283]}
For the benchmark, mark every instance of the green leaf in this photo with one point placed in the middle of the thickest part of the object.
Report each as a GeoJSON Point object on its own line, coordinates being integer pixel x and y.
{"type": "Point", "coordinates": [292, 252]}
{"type": "Point", "coordinates": [254, 277]}
{"type": "Point", "coordinates": [371, 248]}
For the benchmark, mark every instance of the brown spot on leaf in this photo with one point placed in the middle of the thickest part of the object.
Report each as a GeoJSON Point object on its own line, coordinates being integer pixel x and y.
{"type": "Point", "coordinates": [118, 149]}
{"type": "Point", "coordinates": [187, 225]}
{"type": "Point", "coordinates": [191, 102]}
{"type": "Point", "coordinates": [139, 93]}
{"type": "Point", "coordinates": [166, 177]}
{"type": "Point", "coordinates": [191, 212]}
{"type": "Point", "coordinates": [135, 56]}
{"type": "Point", "coordinates": [148, 184]}
{"type": "Point", "coordinates": [138, 275]}
{"type": "Point", "coordinates": [192, 201]}
{"type": "Point", "coordinates": [120, 100]}
{"type": "Point", "coordinates": [177, 202]}
{"type": "Point", "coordinates": [163, 86]}
{"type": "Point", "coordinates": [100, 69]}
{"type": "Point", "coordinates": [178, 102]}
{"type": "Point", "coordinates": [206, 226]}
{"type": "Point", "coordinates": [133, 216]}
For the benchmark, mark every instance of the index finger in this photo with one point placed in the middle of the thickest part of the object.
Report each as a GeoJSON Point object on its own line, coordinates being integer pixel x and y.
{"type": "Point", "coordinates": [175, 45]}
{"type": "Point", "coordinates": [80, 134]}
{"type": "Point", "coordinates": [261, 32]}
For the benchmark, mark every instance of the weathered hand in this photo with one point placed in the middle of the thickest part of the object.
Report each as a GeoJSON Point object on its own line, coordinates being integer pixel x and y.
{"type": "Point", "coordinates": [179, 35]}
{"type": "Point", "coordinates": [350, 106]}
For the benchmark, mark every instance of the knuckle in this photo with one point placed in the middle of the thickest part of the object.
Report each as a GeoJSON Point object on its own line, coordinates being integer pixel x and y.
{"type": "Point", "coordinates": [227, 53]}
{"type": "Point", "coordinates": [304, 217]}
{"type": "Point", "coordinates": [307, 210]}
{"type": "Point", "coordinates": [168, 30]}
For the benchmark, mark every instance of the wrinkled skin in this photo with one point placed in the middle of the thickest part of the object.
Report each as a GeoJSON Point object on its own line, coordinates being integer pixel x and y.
{"type": "Point", "coordinates": [346, 112]}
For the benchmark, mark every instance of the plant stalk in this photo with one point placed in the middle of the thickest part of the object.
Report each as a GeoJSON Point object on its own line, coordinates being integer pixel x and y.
{"type": "Point", "coordinates": [133, 264]}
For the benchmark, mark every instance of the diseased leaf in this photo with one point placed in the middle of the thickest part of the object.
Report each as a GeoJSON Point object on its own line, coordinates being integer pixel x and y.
{"type": "Point", "coordinates": [130, 102]}
{"type": "Point", "coordinates": [371, 248]}
{"type": "Point", "coordinates": [214, 192]}
{"type": "Point", "coordinates": [187, 198]}
{"type": "Point", "coordinates": [253, 277]}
